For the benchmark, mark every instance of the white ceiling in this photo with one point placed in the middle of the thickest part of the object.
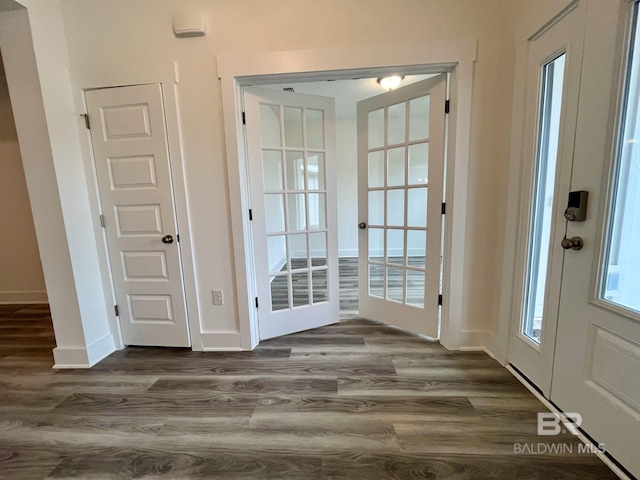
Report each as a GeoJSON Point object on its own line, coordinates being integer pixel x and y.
{"type": "Point", "coordinates": [346, 92]}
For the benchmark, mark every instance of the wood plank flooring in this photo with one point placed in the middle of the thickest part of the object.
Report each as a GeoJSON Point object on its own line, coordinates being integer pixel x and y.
{"type": "Point", "coordinates": [355, 400]}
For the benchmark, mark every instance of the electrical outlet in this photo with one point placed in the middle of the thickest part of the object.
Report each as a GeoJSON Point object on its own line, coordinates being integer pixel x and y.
{"type": "Point", "coordinates": [218, 299]}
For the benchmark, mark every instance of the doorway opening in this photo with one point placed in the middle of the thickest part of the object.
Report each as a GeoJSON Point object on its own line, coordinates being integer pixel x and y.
{"type": "Point", "coordinates": [372, 158]}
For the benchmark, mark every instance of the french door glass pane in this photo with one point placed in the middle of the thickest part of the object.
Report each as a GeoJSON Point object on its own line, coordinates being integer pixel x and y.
{"type": "Point", "coordinates": [376, 169]}
{"type": "Point", "coordinates": [395, 166]}
{"type": "Point", "coordinates": [396, 124]}
{"type": "Point", "coordinates": [419, 118]}
{"type": "Point", "coordinates": [376, 128]}
{"type": "Point", "coordinates": [318, 243]}
{"type": "Point", "coordinates": [397, 179]}
{"type": "Point", "coordinates": [543, 197]}
{"type": "Point", "coordinates": [295, 202]}
{"type": "Point", "coordinates": [315, 171]}
{"type": "Point", "coordinates": [293, 127]}
{"type": "Point", "coordinates": [621, 279]}
{"type": "Point", "coordinates": [314, 128]}
{"type": "Point", "coordinates": [272, 166]}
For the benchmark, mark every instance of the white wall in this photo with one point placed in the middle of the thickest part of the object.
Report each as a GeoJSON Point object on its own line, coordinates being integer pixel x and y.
{"type": "Point", "coordinates": [21, 278]}
{"type": "Point", "coordinates": [123, 36]}
{"type": "Point", "coordinates": [34, 52]}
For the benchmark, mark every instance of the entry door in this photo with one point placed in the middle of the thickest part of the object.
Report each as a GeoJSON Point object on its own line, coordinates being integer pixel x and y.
{"type": "Point", "coordinates": [134, 178]}
{"type": "Point", "coordinates": [401, 137]}
{"type": "Point", "coordinates": [597, 366]}
{"type": "Point", "coordinates": [292, 171]}
{"type": "Point", "coordinates": [553, 63]}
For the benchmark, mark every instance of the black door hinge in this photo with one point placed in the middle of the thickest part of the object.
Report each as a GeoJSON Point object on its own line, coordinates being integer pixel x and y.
{"type": "Point", "coordinates": [250, 215]}
{"type": "Point", "coordinates": [446, 106]}
{"type": "Point", "coordinates": [244, 118]}
{"type": "Point", "coordinates": [117, 310]}
{"type": "Point", "coordinates": [87, 123]}
{"type": "Point", "coordinates": [440, 300]}
{"type": "Point", "coordinates": [256, 302]}
{"type": "Point", "coordinates": [444, 208]}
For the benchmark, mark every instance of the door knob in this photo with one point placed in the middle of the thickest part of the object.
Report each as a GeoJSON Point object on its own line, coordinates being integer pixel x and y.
{"type": "Point", "coordinates": [362, 225]}
{"type": "Point", "coordinates": [167, 239]}
{"type": "Point", "coordinates": [573, 243]}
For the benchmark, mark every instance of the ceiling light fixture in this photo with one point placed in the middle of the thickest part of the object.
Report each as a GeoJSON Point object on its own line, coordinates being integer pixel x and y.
{"type": "Point", "coordinates": [391, 82]}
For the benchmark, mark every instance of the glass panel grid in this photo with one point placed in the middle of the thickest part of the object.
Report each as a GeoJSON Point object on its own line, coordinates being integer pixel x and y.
{"type": "Point", "coordinates": [395, 165]}
{"type": "Point", "coordinates": [294, 170]}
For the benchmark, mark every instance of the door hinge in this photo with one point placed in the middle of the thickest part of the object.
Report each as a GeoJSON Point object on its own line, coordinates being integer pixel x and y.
{"type": "Point", "coordinates": [117, 310]}
{"type": "Point", "coordinates": [446, 106]}
{"type": "Point", "coordinates": [256, 302]}
{"type": "Point", "coordinates": [250, 215]}
{"type": "Point", "coordinates": [439, 300]}
{"type": "Point", "coordinates": [102, 224]}
{"type": "Point", "coordinates": [87, 123]}
{"type": "Point", "coordinates": [244, 118]}
{"type": "Point", "coordinates": [444, 208]}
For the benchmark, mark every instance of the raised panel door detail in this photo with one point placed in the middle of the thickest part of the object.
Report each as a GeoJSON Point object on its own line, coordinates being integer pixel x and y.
{"type": "Point", "coordinates": [151, 308]}
{"type": "Point", "coordinates": [615, 367]}
{"type": "Point", "coordinates": [125, 122]}
{"type": "Point", "coordinates": [133, 172]}
{"type": "Point", "coordinates": [138, 220]}
{"type": "Point", "coordinates": [145, 266]}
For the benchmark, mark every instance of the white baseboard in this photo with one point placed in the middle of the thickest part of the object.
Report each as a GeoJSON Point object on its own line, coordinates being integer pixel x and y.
{"type": "Point", "coordinates": [614, 468]}
{"type": "Point", "coordinates": [477, 341]}
{"type": "Point", "coordinates": [78, 357]}
{"type": "Point", "coordinates": [18, 296]}
{"type": "Point", "coordinates": [221, 341]}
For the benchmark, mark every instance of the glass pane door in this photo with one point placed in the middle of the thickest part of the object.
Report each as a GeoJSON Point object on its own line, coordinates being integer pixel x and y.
{"type": "Point", "coordinates": [401, 164]}
{"type": "Point", "coordinates": [291, 144]}
{"type": "Point", "coordinates": [398, 159]}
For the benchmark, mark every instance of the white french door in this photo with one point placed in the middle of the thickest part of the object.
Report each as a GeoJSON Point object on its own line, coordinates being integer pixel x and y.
{"type": "Point", "coordinates": [130, 149]}
{"type": "Point", "coordinates": [401, 138]}
{"type": "Point", "coordinates": [553, 63]}
{"type": "Point", "coordinates": [292, 172]}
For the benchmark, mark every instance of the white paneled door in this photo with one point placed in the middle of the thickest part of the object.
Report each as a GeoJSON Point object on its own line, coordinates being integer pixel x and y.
{"type": "Point", "coordinates": [401, 144]}
{"type": "Point", "coordinates": [292, 172]}
{"type": "Point", "coordinates": [128, 134]}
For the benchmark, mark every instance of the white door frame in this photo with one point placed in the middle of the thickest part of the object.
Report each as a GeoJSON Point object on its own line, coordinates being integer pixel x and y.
{"type": "Point", "coordinates": [455, 56]}
{"type": "Point", "coordinates": [167, 75]}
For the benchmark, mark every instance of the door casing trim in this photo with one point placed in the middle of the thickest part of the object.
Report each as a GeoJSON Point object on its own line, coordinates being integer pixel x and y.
{"type": "Point", "coordinates": [456, 57]}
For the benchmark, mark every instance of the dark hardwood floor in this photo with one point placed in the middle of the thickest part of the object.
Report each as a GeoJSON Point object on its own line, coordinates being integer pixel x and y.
{"type": "Point", "coordinates": [355, 400]}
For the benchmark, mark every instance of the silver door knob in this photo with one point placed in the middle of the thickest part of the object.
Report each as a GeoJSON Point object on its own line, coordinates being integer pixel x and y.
{"type": "Point", "coordinates": [362, 225]}
{"type": "Point", "coordinates": [167, 239]}
{"type": "Point", "coordinates": [573, 243]}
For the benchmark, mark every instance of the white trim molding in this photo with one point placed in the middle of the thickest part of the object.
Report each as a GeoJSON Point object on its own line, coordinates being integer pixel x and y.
{"type": "Point", "coordinates": [454, 56]}
{"type": "Point", "coordinates": [84, 357]}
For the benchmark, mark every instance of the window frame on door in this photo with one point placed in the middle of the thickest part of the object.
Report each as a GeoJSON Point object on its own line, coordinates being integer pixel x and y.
{"type": "Point", "coordinates": [629, 34]}
{"type": "Point", "coordinates": [456, 57]}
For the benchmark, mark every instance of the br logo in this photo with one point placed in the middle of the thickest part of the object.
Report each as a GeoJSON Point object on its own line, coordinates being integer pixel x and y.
{"type": "Point", "coordinates": [555, 423]}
